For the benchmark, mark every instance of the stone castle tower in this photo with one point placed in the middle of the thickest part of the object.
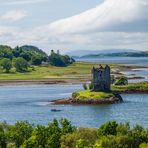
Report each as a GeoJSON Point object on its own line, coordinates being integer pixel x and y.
{"type": "Point", "coordinates": [101, 78]}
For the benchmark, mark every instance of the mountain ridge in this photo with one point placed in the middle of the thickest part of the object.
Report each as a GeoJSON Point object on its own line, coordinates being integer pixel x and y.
{"type": "Point", "coordinates": [81, 53]}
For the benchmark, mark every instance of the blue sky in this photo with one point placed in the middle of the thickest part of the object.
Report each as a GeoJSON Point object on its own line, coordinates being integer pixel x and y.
{"type": "Point", "coordinates": [75, 24]}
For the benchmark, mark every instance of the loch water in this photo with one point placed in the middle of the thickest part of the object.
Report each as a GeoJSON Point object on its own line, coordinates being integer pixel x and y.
{"type": "Point", "coordinates": [31, 102]}
{"type": "Point", "coordinates": [141, 61]}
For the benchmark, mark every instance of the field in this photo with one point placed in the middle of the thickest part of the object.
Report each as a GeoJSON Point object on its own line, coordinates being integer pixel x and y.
{"type": "Point", "coordinates": [77, 71]}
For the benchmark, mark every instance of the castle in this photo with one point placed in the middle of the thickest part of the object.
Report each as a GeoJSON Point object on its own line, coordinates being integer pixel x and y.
{"type": "Point", "coordinates": [101, 80]}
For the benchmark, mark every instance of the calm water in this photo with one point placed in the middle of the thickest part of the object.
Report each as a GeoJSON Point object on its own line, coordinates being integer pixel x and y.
{"type": "Point", "coordinates": [143, 61]}
{"type": "Point", "coordinates": [142, 72]}
{"type": "Point", "coordinates": [31, 103]}
{"type": "Point", "coordinates": [140, 61]}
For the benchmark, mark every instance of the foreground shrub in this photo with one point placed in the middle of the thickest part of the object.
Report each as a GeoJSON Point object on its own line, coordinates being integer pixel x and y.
{"type": "Point", "coordinates": [143, 145]}
{"type": "Point", "coordinates": [108, 128]}
{"type": "Point", "coordinates": [82, 136]}
{"type": "Point", "coordinates": [115, 142]}
{"type": "Point", "coordinates": [20, 132]}
{"type": "Point", "coordinates": [61, 134]}
{"type": "Point", "coordinates": [4, 128]}
{"type": "Point", "coordinates": [49, 136]}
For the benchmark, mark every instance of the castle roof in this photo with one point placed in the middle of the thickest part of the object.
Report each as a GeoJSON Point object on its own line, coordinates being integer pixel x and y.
{"type": "Point", "coordinates": [101, 68]}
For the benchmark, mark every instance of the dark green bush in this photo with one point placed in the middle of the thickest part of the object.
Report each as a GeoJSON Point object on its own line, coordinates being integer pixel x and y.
{"type": "Point", "coordinates": [85, 86]}
{"type": "Point", "coordinates": [122, 81]}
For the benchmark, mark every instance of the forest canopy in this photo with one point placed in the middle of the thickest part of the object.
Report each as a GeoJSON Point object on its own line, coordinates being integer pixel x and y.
{"type": "Point", "coordinates": [30, 55]}
{"type": "Point", "coordinates": [62, 134]}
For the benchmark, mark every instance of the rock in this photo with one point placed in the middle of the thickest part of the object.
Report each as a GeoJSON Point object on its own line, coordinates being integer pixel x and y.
{"type": "Point", "coordinates": [55, 110]}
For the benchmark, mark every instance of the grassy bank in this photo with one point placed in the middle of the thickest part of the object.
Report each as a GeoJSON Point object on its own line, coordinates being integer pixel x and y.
{"type": "Point", "coordinates": [75, 71]}
{"type": "Point", "coordinates": [91, 95]}
{"type": "Point", "coordinates": [136, 87]}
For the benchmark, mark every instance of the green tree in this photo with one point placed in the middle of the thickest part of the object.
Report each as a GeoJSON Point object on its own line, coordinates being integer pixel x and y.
{"type": "Point", "coordinates": [36, 60]}
{"type": "Point", "coordinates": [81, 137]}
{"type": "Point", "coordinates": [111, 141]}
{"type": "Point", "coordinates": [20, 132]}
{"type": "Point", "coordinates": [54, 134]}
{"type": "Point", "coordinates": [38, 139]}
{"type": "Point", "coordinates": [26, 56]}
{"type": "Point", "coordinates": [108, 128]}
{"type": "Point", "coordinates": [123, 129]}
{"type": "Point", "coordinates": [21, 65]}
{"type": "Point", "coordinates": [60, 60]}
{"type": "Point", "coordinates": [16, 52]}
{"type": "Point", "coordinates": [66, 126]}
{"type": "Point", "coordinates": [6, 64]}
{"type": "Point", "coordinates": [3, 134]}
{"type": "Point", "coordinates": [6, 52]}
{"type": "Point", "coordinates": [122, 81]}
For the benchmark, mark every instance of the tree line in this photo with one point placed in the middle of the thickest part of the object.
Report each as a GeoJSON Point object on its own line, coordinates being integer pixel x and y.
{"type": "Point", "coordinates": [22, 57]}
{"type": "Point", "coordinates": [62, 134]}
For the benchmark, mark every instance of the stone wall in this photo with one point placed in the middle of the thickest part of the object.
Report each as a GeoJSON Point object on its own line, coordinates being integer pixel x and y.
{"type": "Point", "coordinates": [101, 78]}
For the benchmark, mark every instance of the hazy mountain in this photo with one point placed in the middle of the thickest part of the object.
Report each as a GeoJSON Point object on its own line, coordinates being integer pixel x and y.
{"type": "Point", "coordinates": [80, 53]}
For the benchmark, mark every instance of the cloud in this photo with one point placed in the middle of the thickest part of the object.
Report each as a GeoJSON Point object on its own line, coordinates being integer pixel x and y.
{"type": "Point", "coordinates": [19, 2]}
{"type": "Point", "coordinates": [112, 24]}
{"type": "Point", "coordinates": [14, 15]}
{"type": "Point", "coordinates": [112, 15]}
{"type": "Point", "coordinates": [5, 30]}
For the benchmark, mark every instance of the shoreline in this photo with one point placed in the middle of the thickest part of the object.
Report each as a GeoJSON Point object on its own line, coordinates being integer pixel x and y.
{"type": "Point", "coordinates": [38, 82]}
{"type": "Point", "coordinates": [133, 92]}
{"type": "Point", "coordinates": [47, 82]}
{"type": "Point", "coordinates": [71, 101]}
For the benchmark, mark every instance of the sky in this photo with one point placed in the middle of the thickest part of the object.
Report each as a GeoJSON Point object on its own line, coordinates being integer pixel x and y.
{"type": "Point", "coordinates": [75, 24]}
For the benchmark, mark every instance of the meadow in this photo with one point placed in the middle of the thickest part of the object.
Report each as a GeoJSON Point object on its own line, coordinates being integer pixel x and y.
{"type": "Point", "coordinates": [78, 70]}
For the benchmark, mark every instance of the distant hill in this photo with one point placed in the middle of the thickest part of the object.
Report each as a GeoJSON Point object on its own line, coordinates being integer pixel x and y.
{"type": "Point", "coordinates": [119, 54]}
{"type": "Point", "coordinates": [80, 53]}
{"type": "Point", "coordinates": [33, 49]}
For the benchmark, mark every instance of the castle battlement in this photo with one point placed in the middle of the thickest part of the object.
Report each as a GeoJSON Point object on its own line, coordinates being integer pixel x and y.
{"type": "Point", "coordinates": [101, 78]}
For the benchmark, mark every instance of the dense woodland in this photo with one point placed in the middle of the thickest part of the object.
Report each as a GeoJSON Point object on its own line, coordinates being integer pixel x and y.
{"type": "Point", "coordinates": [62, 134]}
{"type": "Point", "coordinates": [21, 58]}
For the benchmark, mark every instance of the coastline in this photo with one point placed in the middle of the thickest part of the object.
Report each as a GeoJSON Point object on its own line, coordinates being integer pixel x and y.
{"type": "Point", "coordinates": [71, 101]}
{"type": "Point", "coordinates": [38, 82]}
{"type": "Point", "coordinates": [48, 81]}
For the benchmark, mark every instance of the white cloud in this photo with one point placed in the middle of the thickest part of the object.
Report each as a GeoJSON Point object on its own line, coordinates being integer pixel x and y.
{"type": "Point", "coordinates": [109, 16]}
{"type": "Point", "coordinates": [14, 15]}
{"type": "Point", "coordinates": [5, 30]}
